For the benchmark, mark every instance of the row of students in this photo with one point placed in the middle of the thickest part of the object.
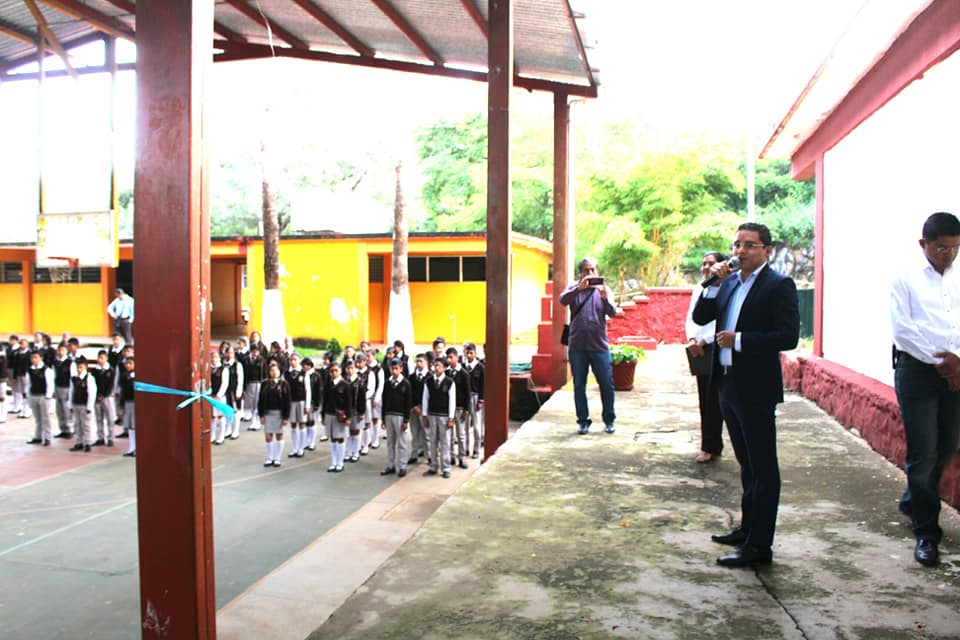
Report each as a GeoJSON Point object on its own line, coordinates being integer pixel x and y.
{"type": "Point", "coordinates": [83, 396]}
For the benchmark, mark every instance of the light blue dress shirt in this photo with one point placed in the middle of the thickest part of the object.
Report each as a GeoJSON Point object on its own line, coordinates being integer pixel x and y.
{"type": "Point", "coordinates": [732, 315]}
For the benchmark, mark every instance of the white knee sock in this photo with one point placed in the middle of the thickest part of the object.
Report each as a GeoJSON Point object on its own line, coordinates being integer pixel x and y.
{"type": "Point", "coordinates": [133, 440]}
{"type": "Point", "coordinates": [295, 439]}
{"type": "Point", "coordinates": [269, 448]}
{"type": "Point", "coordinates": [311, 440]}
{"type": "Point", "coordinates": [340, 449]}
{"type": "Point", "coordinates": [279, 450]}
{"type": "Point", "coordinates": [375, 434]}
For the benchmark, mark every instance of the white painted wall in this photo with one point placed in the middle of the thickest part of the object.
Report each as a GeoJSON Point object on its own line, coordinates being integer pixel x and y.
{"type": "Point", "coordinates": [880, 184]}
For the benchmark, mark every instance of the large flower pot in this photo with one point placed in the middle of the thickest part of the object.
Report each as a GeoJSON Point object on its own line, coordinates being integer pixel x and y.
{"type": "Point", "coordinates": [623, 375]}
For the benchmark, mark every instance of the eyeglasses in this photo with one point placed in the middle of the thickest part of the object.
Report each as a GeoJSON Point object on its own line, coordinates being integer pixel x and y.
{"type": "Point", "coordinates": [749, 245]}
{"type": "Point", "coordinates": [942, 249]}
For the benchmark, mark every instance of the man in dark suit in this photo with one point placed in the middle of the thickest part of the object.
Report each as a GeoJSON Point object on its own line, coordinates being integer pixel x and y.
{"type": "Point", "coordinates": [757, 317]}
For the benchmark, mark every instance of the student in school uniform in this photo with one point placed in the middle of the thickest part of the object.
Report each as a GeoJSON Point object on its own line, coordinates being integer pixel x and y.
{"type": "Point", "coordinates": [299, 382]}
{"type": "Point", "coordinates": [363, 372]}
{"type": "Point", "coordinates": [63, 370]}
{"type": "Point", "coordinates": [234, 388]}
{"type": "Point", "coordinates": [277, 354]}
{"type": "Point", "coordinates": [462, 381]}
{"type": "Point", "coordinates": [359, 395]}
{"type": "Point", "coordinates": [439, 404]}
{"type": "Point", "coordinates": [126, 396]}
{"type": "Point", "coordinates": [104, 413]}
{"type": "Point", "coordinates": [16, 382]}
{"type": "Point", "coordinates": [22, 365]}
{"type": "Point", "coordinates": [400, 352]}
{"type": "Point", "coordinates": [273, 405]}
{"type": "Point", "coordinates": [4, 379]}
{"type": "Point", "coordinates": [83, 398]}
{"type": "Point", "coordinates": [323, 373]}
{"type": "Point", "coordinates": [475, 370]}
{"type": "Point", "coordinates": [419, 445]}
{"type": "Point", "coordinates": [338, 413]}
{"type": "Point", "coordinates": [397, 402]}
{"type": "Point", "coordinates": [122, 374]}
{"type": "Point", "coordinates": [313, 408]}
{"type": "Point", "coordinates": [254, 370]}
{"type": "Point", "coordinates": [219, 388]}
{"type": "Point", "coordinates": [349, 353]}
{"type": "Point", "coordinates": [375, 379]}
{"type": "Point", "coordinates": [40, 390]}
{"type": "Point", "coordinates": [115, 358]}
{"type": "Point", "coordinates": [257, 341]}
{"type": "Point", "coordinates": [439, 348]}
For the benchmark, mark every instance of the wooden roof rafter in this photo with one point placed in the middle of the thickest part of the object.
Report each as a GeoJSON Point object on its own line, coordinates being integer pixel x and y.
{"type": "Point", "coordinates": [261, 18]}
{"type": "Point", "coordinates": [218, 27]}
{"type": "Point", "coordinates": [477, 17]}
{"type": "Point", "coordinates": [50, 37]}
{"type": "Point", "coordinates": [579, 40]}
{"type": "Point", "coordinates": [100, 21]}
{"type": "Point", "coordinates": [407, 29]}
{"type": "Point", "coordinates": [342, 32]}
{"type": "Point", "coordinates": [17, 33]}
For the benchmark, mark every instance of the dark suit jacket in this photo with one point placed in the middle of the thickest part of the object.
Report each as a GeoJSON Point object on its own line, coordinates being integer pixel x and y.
{"type": "Point", "coordinates": [769, 323]}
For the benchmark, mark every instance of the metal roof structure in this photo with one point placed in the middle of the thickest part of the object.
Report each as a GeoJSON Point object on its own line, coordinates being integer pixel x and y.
{"type": "Point", "coordinates": [437, 37]}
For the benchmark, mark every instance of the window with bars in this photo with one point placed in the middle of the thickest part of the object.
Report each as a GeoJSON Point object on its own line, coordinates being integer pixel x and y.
{"type": "Point", "coordinates": [84, 275]}
{"type": "Point", "coordinates": [11, 272]}
{"type": "Point", "coordinates": [447, 268]}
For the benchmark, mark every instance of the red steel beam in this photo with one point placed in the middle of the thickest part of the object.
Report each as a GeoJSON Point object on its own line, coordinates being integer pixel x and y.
{"type": "Point", "coordinates": [497, 376]}
{"type": "Point", "coordinates": [267, 22]}
{"type": "Point", "coordinates": [328, 21]}
{"type": "Point", "coordinates": [561, 232]}
{"type": "Point", "coordinates": [249, 51]}
{"type": "Point", "coordinates": [407, 29]}
{"type": "Point", "coordinates": [476, 16]}
{"type": "Point", "coordinates": [575, 32]}
{"type": "Point", "coordinates": [94, 18]}
{"type": "Point", "coordinates": [172, 272]}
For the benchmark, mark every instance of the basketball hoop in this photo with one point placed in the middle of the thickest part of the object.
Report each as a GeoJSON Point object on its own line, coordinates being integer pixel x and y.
{"type": "Point", "coordinates": [63, 273]}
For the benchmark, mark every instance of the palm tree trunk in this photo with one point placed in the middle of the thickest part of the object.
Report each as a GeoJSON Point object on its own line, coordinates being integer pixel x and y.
{"type": "Point", "coordinates": [400, 315]}
{"type": "Point", "coordinates": [272, 323]}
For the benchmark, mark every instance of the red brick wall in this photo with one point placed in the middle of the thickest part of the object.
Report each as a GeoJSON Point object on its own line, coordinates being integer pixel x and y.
{"type": "Point", "coordinates": [860, 403]}
{"type": "Point", "coordinates": [661, 314]}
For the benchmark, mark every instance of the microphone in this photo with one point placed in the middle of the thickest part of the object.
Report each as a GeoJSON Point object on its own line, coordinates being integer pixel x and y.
{"type": "Point", "coordinates": [733, 264]}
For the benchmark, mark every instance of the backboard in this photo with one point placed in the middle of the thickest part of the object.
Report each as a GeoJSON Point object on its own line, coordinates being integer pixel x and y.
{"type": "Point", "coordinates": [90, 237]}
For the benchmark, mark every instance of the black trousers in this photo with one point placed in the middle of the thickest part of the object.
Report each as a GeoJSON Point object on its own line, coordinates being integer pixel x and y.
{"type": "Point", "coordinates": [124, 327]}
{"type": "Point", "coordinates": [711, 420]}
{"type": "Point", "coordinates": [753, 433]}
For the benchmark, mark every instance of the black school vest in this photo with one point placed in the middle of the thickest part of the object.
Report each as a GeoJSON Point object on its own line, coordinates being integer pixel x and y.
{"type": "Point", "coordinates": [439, 402]}
{"type": "Point", "coordinates": [80, 392]}
{"type": "Point", "coordinates": [61, 373]}
{"type": "Point", "coordinates": [38, 381]}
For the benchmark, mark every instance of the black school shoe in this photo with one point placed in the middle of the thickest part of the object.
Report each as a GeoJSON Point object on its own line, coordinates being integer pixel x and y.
{"type": "Point", "coordinates": [34, 441]}
{"type": "Point", "coordinates": [77, 447]}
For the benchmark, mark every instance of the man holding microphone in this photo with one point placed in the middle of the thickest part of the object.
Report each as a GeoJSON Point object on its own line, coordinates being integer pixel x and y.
{"type": "Point", "coordinates": [757, 317]}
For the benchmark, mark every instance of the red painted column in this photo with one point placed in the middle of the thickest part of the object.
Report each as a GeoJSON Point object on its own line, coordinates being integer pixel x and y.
{"type": "Point", "coordinates": [171, 276]}
{"type": "Point", "coordinates": [500, 82]}
{"type": "Point", "coordinates": [818, 261]}
{"type": "Point", "coordinates": [561, 231]}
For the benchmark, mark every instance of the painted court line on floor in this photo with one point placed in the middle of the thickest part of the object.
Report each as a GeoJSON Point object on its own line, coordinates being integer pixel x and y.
{"type": "Point", "coordinates": [49, 534]}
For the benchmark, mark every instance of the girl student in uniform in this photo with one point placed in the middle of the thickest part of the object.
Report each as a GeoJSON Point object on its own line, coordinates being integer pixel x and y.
{"type": "Point", "coordinates": [359, 395]}
{"type": "Point", "coordinates": [339, 414]}
{"type": "Point", "coordinates": [273, 407]}
{"type": "Point", "coordinates": [219, 383]}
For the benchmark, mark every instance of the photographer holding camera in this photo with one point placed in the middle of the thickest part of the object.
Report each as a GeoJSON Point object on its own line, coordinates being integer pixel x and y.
{"type": "Point", "coordinates": [590, 302]}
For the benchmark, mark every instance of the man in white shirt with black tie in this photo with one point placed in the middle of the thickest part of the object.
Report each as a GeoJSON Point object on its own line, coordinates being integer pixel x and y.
{"type": "Point", "coordinates": [925, 313]}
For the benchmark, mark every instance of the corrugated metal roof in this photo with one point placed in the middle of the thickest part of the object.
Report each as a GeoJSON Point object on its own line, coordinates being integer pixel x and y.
{"type": "Point", "coordinates": [441, 35]}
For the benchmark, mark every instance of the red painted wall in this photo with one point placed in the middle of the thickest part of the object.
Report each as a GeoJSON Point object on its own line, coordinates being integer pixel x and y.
{"type": "Point", "coordinates": [661, 314]}
{"type": "Point", "coordinates": [860, 403]}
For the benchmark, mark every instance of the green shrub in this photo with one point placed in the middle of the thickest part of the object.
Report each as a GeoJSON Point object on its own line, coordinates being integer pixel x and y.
{"type": "Point", "coordinates": [620, 353]}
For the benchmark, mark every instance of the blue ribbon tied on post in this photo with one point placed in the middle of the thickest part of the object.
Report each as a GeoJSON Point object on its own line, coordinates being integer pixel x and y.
{"type": "Point", "coordinates": [192, 396]}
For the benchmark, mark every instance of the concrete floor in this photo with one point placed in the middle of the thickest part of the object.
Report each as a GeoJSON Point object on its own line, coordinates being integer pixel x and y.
{"type": "Point", "coordinates": [607, 536]}
{"type": "Point", "coordinates": [68, 541]}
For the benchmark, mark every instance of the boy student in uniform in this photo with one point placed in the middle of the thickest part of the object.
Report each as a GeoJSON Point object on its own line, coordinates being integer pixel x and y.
{"type": "Point", "coordinates": [4, 377]}
{"type": "Point", "coordinates": [439, 404]}
{"type": "Point", "coordinates": [400, 352]}
{"type": "Point", "coordinates": [397, 402]}
{"type": "Point", "coordinates": [338, 411]}
{"type": "Point", "coordinates": [115, 358]}
{"type": "Point", "coordinates": [475, 371]}
{"type": "Point", "coordinates": [419, 444]}
{"type": "Point", "coordinates": [359, 395]}
{"type": "Point", "coordinates": [273, 405]}
{"type": "Point", "coordinates": [219, 386]}
{"type": "Point", "coordinates": [20, 368]}
{"type": "Point", "coordinates": [122, 374]}
{"type": "Point", "coordinates": [16, 382]}
{"type": "Point", "coordinates": [323, 376]}
{"type": "Point", "coordinates": [62, 372]}
{"type": "Point", "coordinates": [126, 396]}
{"type": "Point", "coordinates": [254, 368]}
{"type": "Point", "coordinates": [313, 409]}
{"type": "Point", "coordinates": [234, 388]}
{"type": "Point", "coordinates": [462, 383]}
{"type": "Point", "coordinates": [299, 382]}
{"type": "Point", "coordinates": [83, 397]}
{"type": "Point", "coordinates": [40, 388]}
{"type": "Point", "coordinates": [104, 414]}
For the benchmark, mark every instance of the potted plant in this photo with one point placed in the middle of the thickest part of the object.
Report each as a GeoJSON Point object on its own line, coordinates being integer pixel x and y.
{"type": "Point", "coordinates": [624, 358]}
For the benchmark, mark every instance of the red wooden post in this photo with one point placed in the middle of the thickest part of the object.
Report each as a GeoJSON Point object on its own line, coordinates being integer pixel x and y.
{"type": "Point", "coordinates": [561, 230]}
{"type": "Point", "coordinates": [172, 275]}
{"type": "Point", "coordinates": [500, 82]}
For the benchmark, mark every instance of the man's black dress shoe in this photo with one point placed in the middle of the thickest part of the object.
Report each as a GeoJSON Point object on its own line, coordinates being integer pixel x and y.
{"type": "Point", "coordinates": [735, 538]}
{"type": "Point", "coordinates": [926, 552]}
{"type": "Point", "coordinates": [746, 555]}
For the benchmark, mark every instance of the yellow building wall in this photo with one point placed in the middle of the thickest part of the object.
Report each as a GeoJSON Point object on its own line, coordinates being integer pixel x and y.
{"type": "Point", "coordinates": [13, 317]}
{"type": "Point", "coordinates": [455, 310]}
{"type": "Point", "coordinates": [528, 284]}
{"type": "Point", "coordinates": [77, 308]}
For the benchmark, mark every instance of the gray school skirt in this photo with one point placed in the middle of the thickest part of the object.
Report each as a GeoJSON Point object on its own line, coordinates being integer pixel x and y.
{"type": "Point", "coordinates": [298, 411]}
{"type": "Point", "coordinates": [273, 422]}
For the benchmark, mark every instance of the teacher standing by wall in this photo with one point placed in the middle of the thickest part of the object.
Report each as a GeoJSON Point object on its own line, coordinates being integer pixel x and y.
{"type": "Point", "coordinates": [121, 310]}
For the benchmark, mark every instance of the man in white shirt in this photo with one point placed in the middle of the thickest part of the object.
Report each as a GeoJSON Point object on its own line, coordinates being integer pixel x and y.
{"type": "Point", "coordinates": [121, 310]}
{"type": "Point", "coordinates": [925, 313]}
